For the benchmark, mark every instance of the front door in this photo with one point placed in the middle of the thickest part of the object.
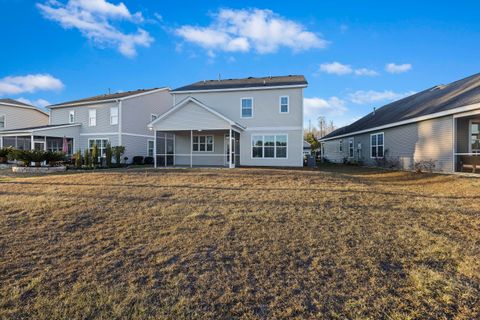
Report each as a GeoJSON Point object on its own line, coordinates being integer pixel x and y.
{"type": "Point", "coordinates": [229, 153]}
{"type": "Point", "coordinates": [39, 145]}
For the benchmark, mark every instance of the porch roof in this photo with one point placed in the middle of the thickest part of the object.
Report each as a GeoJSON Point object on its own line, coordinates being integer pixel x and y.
{"type": "Point", "coordinates": [192, 114]}
{"type": "Point", "coordinates": [34, 130]}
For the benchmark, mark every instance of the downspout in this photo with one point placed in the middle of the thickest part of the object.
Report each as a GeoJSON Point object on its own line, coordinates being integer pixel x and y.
{"type": "Point", "coordinates": [119, 122]}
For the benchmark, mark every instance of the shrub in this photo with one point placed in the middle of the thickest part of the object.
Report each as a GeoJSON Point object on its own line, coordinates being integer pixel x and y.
{"type": "Point", "coordinates": [87, 158]}
{"type": "Point", "coordinates": [108, 155]}
{"type": "Point", "coordinates": [95, 155]}
{"type": "Point", "coordinates": [148, 160]}
{"type": "Point", "coordinates": [29, 156]}
{"type": "Point", "coordinates": [55, 158]}
{"type": "Point", "coordinates": [4, 154]}
{"type": "Point", "coordinates": [77, 158]}
{"type": "Point", "coordinates": [424, 166]}
{"type": "Point", "coordinates": [137, 160]}
{"type": "Point", "coordinates": [118, 151]}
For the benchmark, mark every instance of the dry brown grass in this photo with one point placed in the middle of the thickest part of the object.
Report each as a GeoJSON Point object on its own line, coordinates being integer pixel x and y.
{"type": "Point", "coordinates": [245, 243]}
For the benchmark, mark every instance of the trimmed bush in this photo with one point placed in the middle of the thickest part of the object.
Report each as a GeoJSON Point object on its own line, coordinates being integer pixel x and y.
{"type": "Point", "coordinates": [148, 160]}
{"type": "Point", "coordinates": [108, 155]}
{"type": "Point", "coordinates": [4, 154]}
{"type": "Point", "coordinates": [118, 151]}
{"type": "Point", "coordinates": [137, 160]}
{"type": "Point", "coordinates": [55, 158]}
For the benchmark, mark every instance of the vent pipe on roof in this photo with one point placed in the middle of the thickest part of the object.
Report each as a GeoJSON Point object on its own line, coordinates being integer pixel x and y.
{"type": "Point", "coordinates": [219, 77]}
{"type": "Point", "coordinates": [374, 109]}
{"type": "Point", "coordinates": [264, 82]}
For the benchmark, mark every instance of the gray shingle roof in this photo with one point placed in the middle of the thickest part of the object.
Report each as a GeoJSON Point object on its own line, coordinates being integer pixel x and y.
{"type": "Point", "coordinates": [436, 99]}
{"type": "Point", "coordinates": [11, 101]}
{"type": "Point", "coordinates": [103, 97]}
{"type": "Point", "coordinates": [245, 83]}
{"type": "Point", "coordinates": [42, 127]}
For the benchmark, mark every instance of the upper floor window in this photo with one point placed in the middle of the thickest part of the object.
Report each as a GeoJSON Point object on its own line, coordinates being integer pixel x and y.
{"type": "Point", "coordinates": [153, 117]}
{"type": "Point", "coordinates": [377, 145]}
{"type": "Point", "coordinates": [351, 148]}
{"type": "Point", "coordinates": [2, 122]}
{"type": "Point", "coordinates": [284, 104]}
{"type": "Point", "coordinates": [113, 115]}
{"type": "Point", "coordinates": [92, 117]}
{"type": "Point", "coordinates": [71, 116]}
{"type": "Point", "coordinates": [247, 107]}
{"type": "Point", "coordinates": [202, 143]}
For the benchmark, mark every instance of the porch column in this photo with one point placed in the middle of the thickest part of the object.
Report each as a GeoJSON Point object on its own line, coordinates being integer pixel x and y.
{"type": "Point", "coordinates": [191, 148]}
{"type": "Point", "coordinates": [32, 147]}
{"type": "Point", "coordinates": [45, 145]}
{"type": "Point", "coordinates": [230, 165]}
{"type": "Point", "coordinates": [154, 149]}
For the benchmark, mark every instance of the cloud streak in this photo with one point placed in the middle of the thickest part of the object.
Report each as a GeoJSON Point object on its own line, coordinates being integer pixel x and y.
{"type": "Point", "coordinates": [372, 96]}
{"type": "Point", "coordinates": [31, 83]}
{"type": "Point", "coordinates": [341, 69]}
{"type": "Point", "coordinates": [332, 106]}
{"type": "Point", "coordinates": [397, 68]}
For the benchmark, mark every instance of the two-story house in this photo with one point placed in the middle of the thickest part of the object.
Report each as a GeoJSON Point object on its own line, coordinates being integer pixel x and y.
{"type": "Point", "coordinates": [249, 122]}
{"type": "Point", "coordinates": [15, 115]}
{"type": "Point", "coordinates": [115, 119]}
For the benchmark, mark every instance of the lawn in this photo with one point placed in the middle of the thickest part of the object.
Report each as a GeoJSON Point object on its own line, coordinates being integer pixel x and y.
{"type": "Point", "coordinates": [339, 242]}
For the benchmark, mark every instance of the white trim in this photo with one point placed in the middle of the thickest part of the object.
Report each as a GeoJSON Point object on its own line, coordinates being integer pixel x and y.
{"type": "Point", "coordinates": [241, 107]}
{"type": "Point", "coordinates": [137, 135]}
{"type": "Point", "coordinates": [280, 104]}
{"type": "Point", "coordinates": [203, 135]}
{"type": "Point", "coordinates": [107, 100]}
{"type": "Point", "coordinates": [263, 146]}
{"type": "Point", "coordinates": [39, 129]}
{"type": "Point", "coordinates": [470, 135]}
{"type": "Point", "coordinates": [99, 133]}
{"type": "Point", "coordinates": [4, 121]}
{"type": "Point", "coordinates": [155, 149]}
{"type": "Point", "coordinates": [191, 99]}
{"type": "Point", "coordinates": [413, 120]}
{"type": "Point", "coordinates": [242, 89]}
{"type": "Point", "coordinates": [377, 145]}
{"type": "Point", "coordinates": [120, 118]}
{"type": "Point", "coordinates": [25, 107]}
{"type": "Point", "coordinates": [274, 128]}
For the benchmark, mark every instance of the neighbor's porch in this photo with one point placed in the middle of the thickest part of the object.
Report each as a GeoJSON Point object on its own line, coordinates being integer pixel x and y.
{"type": "Point", "coordinates": [467, 142]}
{"type": "Point", "coordinates": [36, 142]}
{"type": "Point", "coordinates": [197, 148]}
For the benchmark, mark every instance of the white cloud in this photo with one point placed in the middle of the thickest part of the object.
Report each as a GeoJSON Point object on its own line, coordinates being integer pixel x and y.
{"type": "Point", "coordinates": [28, 84]}
{"type": "Point", "coordinates": [317, 106]}
{"type": "Point", "coordinates": [371, 96]}
{"type": "Point", "coordinates": [397, 68]}
{"type": "Point", "coordinates": [38, 103]}
{"type": "Point", "coordinates": [93, 18]}
{"type": "Point", "coordinates": [250, 29]}
{"type": "Point", "coordinates": [341, 69]}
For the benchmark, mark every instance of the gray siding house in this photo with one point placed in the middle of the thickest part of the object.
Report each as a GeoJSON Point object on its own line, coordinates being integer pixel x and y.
{"type": "Point", "coordinates": [118, 119]}
{"type": "Point", "coordinates": [249, 122]}
{"type": "Point", "coordinates": [440, 125]}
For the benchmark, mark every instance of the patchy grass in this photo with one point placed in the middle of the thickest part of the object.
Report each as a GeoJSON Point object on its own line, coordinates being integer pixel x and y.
{"type": "Point", "coordinates": [246, 243]}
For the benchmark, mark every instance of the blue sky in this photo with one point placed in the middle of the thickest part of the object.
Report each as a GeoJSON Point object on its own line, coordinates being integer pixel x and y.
{"type": "Point", "coordinates": [355, 54]}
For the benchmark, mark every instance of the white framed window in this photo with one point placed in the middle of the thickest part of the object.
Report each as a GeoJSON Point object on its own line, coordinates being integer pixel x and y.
{"type": "Point", "coordinates": [351, 148]}
{"type": "Point", "coordinates": [377, 146]}
{"type": "Point", "coordinates": [340, 146]}
{"type": "Point", "coordinates": [92, 117]}
{"type": "Point", "coordinates": [114, 115]}
{"type": "Point", "coordinates": [269, 146]}
{"type": "Point", "coordinates": [3, 121]}
{"type": "Point", "coordinates": [150, 147]}
{"type": "Point", "coordinates": [246, 107]}
{"type": "Point", "coordinates": [101, 144]}
{"type": "Point", "coordinates": [202, 143]}
{"type": "Point", "coordinates": [474, 146]}
{"type": "Point", "coordinates": [153, 117]}
{"type": "Point", "coordinates": [284, 104]}
{"type": "Point", "coordinates": [71, 116]}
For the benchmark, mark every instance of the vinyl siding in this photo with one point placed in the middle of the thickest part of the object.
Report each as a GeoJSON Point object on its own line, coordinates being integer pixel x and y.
{"type": "Point", "coordinates": [136, 112]}
{"type": "Point", "coordinates": [17, 117]}
{"type": "Point", "coordinates": [421, 141]}
{"type": "Point", "coordinates": [183, 147]}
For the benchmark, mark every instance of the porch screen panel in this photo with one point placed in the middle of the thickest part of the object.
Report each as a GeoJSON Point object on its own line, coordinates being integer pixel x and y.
{"type": "Point", "coordinates": [24, 143]}
{"type": "Point", "coordinates": [9, 142]}
{"type": "Point", "coordinates": [165, 149]}
{"type": "Point", "coordinates": [475, 136]}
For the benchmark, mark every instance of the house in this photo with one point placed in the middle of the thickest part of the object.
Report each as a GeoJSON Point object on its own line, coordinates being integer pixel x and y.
{"type": "Point", "coordinates": [440, 125]}
{"type": "Point", "coordinates": [115, 119]}
{"type": "Point", "coordinates": [15, 115]}
{"type": "Point", "coordinates": [307, 148]}
{"type": "Point", "coordinates": [248, 122]}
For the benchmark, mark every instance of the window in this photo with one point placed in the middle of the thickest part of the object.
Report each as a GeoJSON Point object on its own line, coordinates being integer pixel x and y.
{"type": "Point", "coordinates": [340, 146]}
{"type": "Point", "coordinates": [71, 116]}
{"type": "Point", "coordinates": [150, 148]}
{"type": "Point", "coordinates": [92, 117]}
{"type": "Point", "coordinates": [284, 102]}
{"type": "Point", "coordinates": [114, 115]}
{"type": "Point", "coordinates": [269, 146]}
{"type": "Point", "coordinates": [101, 144]}
{"type": "Point", "coordinates": [474, 136]}
{"type": "Point", "coordinates": [247, 107]}
{"type": "Point", "coordinates": [351, 148]}
{"type": "Point", "coordinates": [376, 145]}
{"type": "Point", "coordinates": [153, 117]}
{"type": "Point", "coordinates": [202, 143]}
{"type": "Point", "coordinates": [2, 122]}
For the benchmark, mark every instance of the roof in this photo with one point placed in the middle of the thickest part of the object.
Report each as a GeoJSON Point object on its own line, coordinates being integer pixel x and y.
{"type": "Point", "coordinates": [434, 100]}
{"type": "Point", "coordinates": [15, 103]}
{"type": "Point", "coordinates": [50, 126]}
{"type": "Point", "coordinates": [105, 97]}
{"type": "Point", "coordinates": [306, 144]}
{"type": "Point", "coordinates": [250, 82]}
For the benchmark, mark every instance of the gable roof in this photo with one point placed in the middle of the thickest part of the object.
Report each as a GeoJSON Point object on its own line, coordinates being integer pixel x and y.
{"type": "Point", "coordinates": [200, 104]}
{"type": "Point", "coordinates": [15, 103]}
{"type": "Point", "coordinates": [439, 100]}
{"type": "Point", "coordinates": [107, 97]}
{"type": "Point", "coordinates": [265, 82]}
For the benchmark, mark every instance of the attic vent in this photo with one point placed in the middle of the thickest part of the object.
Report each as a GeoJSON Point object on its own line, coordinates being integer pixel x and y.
{"type": "Point", "coordinates": [439, 87]}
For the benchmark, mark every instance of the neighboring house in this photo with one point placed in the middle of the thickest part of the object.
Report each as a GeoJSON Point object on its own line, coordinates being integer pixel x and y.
{"type": "Point", "coordinates": [440, 124]}
{"type": "Point", "coordinates": [117, 119]}
{"type": "Point", "coordinates": [15, 115]}
{"type": "Point", "coordinates": [249, 122]}
{"type": "Point", "coordinates": [307, 148]}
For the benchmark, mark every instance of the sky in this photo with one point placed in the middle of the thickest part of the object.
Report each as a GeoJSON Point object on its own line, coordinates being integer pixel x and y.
{"type": "Point", "coordinates": [355, 55]}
